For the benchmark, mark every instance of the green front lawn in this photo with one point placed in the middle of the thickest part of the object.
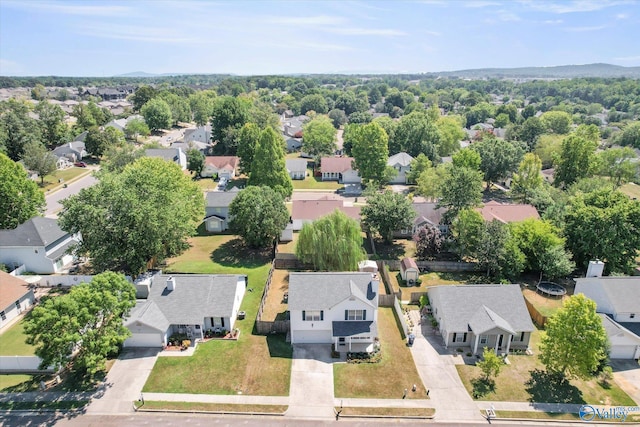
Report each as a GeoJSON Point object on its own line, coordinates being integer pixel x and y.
{"type": "Point", "coordinates": [386, 379]}
{"type": "Point", "coordinates": [13, 342]}
{"type": "Point", "coordinates": [59, 404]}
{"type": "Point", "coordinates": [255, 364]}
{"type": "Point", "coordinates": [213, 407]}
{"type": "Point", "coordinates": [525, 380]}
{"type": "Point", "coordinates": [53, 180]}
{"type": "Point", "coordinates": [315, 183]}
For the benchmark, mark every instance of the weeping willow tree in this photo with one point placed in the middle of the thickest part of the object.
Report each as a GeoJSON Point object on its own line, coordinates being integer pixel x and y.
{"type": "Point", "coordinates": [331, 243]}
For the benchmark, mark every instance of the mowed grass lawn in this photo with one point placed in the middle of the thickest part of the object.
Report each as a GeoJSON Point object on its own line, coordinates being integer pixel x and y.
{"type": "Point", "coordinates": [53, 180]}
{"type": "Point", "coordinates": [547, 306]}
{"type": "Point", "coordinates": [255, 364]}
{"type": "Point", "coordinates": [632, 190]}
{"type": "Point", "coordinates": [315, 183]}
{"type": "Point", "coordinates": [511, 383]}
{"type": "Point", "coordinates": [13, 342]}
{"type": "Point", "coordinates": [384, 380]}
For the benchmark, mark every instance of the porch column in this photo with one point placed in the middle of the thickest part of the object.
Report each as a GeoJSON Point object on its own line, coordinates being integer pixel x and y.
{"type": "Point", "coordinates": [497, 341]}
{"type": "Point", "coordinates": [446, 340]}
{"type": "Point", "coordinates": [509, 338]}
{"type": "Point", "coordinates": [475, 345]}
{"type": "Point", "coordinates": [350, 342]}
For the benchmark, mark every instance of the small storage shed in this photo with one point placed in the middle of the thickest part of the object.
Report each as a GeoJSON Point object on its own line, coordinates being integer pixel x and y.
{"type": "Point", "coordinates": [409, 270]}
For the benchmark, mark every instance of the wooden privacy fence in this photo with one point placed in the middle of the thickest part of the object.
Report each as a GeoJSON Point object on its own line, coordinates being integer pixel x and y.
{"type": "Point", "coordinates": [277, 326]}
{"type": "Point", "coordinates": [415, 297]}
{"type": "Point", "coordinates": [538, 318]}
{"type": "Point", "coordinates": [440, 266]}
{"type": "Point", "coordinates": [386, 300]}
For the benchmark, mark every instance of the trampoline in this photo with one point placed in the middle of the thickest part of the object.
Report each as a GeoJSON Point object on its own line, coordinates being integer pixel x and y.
{"type": "Point", "coordinates": [551, 289]}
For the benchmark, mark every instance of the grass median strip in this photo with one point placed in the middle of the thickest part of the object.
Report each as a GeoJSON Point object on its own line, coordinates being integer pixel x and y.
{"type": "Point", "coordinates": [390, 412]}
{"type": "Point", "coordinates": [61, 404]}
{"type": "Point", "coordinates": [212, 407]}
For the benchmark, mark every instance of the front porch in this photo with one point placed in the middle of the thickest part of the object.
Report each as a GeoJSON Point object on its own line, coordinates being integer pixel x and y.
{"type": "Point", "coordinates": [354, 336]}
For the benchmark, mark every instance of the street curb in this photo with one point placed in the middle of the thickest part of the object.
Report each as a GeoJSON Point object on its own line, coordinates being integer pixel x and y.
{"type": "Point", "coordinates": [547, 420]}
{"type": "Point", "coordinates": [406, 417]}
{"type": "Point", "coordinates": [186, 411]}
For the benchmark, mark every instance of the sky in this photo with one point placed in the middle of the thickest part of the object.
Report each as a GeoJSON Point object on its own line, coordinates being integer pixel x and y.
{"type": "Point", "coordinates": [106, 38]}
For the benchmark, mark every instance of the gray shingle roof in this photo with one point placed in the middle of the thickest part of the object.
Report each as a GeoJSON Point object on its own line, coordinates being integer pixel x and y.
{"type": "Point", "coordinates": [483, 307]}
{"type": "Point", "coordinates": [322, 291]}
{"type": "Point", "coordinates": [170, 154]}
{"type": "Point", "coordinates": [296, 164]}
{"type": "Point", "coordinates": [38, 231]}
{"type": "Point", "coordinates": [622, 292]}
{"type": "Point", "coordinates": [195, 297]}
{"type": "Point", "coordinates": [613, 328]}
{"type": "Point", "coordinates": [349, 328]}
{"type": "Point", "coordinates": [148, 313]}
{"type": "Point", "coordinates": [220, 199]}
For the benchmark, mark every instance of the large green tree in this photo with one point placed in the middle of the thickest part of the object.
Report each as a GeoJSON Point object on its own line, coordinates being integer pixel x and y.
{"type": "Point", "coordinates": [370, 153]}
{"type": "Point", "coordinates": [498, 158]}
{"type": "Point", "coordinates": [319, 137]}
{"type": "Point", "coordinates": [574, 343]}
{"type": "Point", "coordinates": [136, 128]}
{"type": "Point", "coordinates": [461, 188]}
{"type": "Point", "coordinates": [141, 96]}
{"type": "Point", "coordinates": [84, 326]}
{"type": "Point", "coordinates": [577, 159]}
{"type": "Point", "coordinates": [195, 161]}
{"type": "Point", "coordinates": [386, 212]}
{"type": "Point", "coordinates": [229, 115]}
{"type": "Point", "coordinates": [498, 253]}
{"type": "Point", "coordinates": [135, 219]}
{"type": "Point", "coordinates": [157, 114]}
{"type": "Point", "coordinates": [630, 135]}
{"type": "Point", "coordinates": [451, 133]}
{"type": "Point", "coordinates": [416, 134]}
{"type": "Point", "coordinates": [528, 178]}
{"type": "Point", "coordinates": [269, 167]}
{"type": "Point", "coordinates": [603, 225]}
{"type": "Point", "coordinates": [20, 197]}
{"type": "Point", "coordinates": [51, 120]}
{"type": "Point", "coordinates": [248, 139]}
{"type": "Point", "coordinates": [331, 243]}
{"type": "Point", "coordinates": [98, 140]}
{"type": "Point", "coordinates": [258, 215]}
{"type": "Point", "coordinates": [467, 228]}
{"type": "Point", "coordinates": [620, 164]}
{"type": "Point", "coordinates": [556, 122]}
{"type": "Point", "coordinates": [117, 157]}
{"type": "Point", "coordinates": [38, 159]}
{"type": "Point", "coordinates": [315, 102]}
{"type": "Point", "coordinates": [17, 129]}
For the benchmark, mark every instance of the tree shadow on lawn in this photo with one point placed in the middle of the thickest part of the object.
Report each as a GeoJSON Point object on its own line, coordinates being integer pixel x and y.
{"type": "Point", "coordinates": [546, 386]}
{"type": "Point", "coordinates": [482, 387]}
{"type": "Point", "coordinates": [235, 253]}
{"type": "Point", "coordinates": [389, 250]}
{"type": "Point", "coordinates": [279, 347]}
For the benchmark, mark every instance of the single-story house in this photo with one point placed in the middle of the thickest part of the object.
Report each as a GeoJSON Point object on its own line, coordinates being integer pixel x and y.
{"type": "Point", "coordinates": [304, 211]}
{"type": "Point", "coordinates": [339, 169]}
{"type": "Point", "coordinates": [73, 151]}
{"type": "Point", "coordinates": [187, 304]}
{"type": "Point", "coordinates": [39, 243]}
{"type": "Point", "coordinates": [292, 144]}
{"type": "Point", "coordinates": [427, 215]}
{"type": "Point", "coordinates": [15, 297]}
{"type": "Point", "coordinates": [507, 212]}
{"type": "Point", "coordinates": [619, 299]}
{"type": "Point", "coordinates": [409, 270]}
{"type": "Point", "coordinates": [186, 146]}
{"type": "Point", "coordinates": [478, 316]}
{"type": "Point", "coordinates": [175, 155]}
{"type": "Point", "coordinates": [334, 308]}
{"type": "Point", "coordinates": [217, 209]}
{"type": "Point", "coordinates": [223, 166]}
{"type": "Point", "coordinates": [401, 163]}
{"type": "Point", "coordinates": [297, 168]}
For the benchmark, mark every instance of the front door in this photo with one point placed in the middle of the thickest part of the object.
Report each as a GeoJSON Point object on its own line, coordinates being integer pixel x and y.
{"type": "Point", "coordinates": [500, 341]}
{"type": "Point", "coordinates": [217, 322]}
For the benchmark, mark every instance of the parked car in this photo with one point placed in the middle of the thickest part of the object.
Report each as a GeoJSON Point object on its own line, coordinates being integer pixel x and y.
{"type": "Point", "coordinates": [80, 164]}
{"type": "Point", "coordinates": [223, 183]}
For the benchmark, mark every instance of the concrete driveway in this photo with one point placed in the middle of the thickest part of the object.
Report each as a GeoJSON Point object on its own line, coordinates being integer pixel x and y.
{"type": "Point", "coordinates": [311, 389]}
{"type": "Point", "coordinates": [439, 375]}
{"type": "Point", "coordinates": [124, 381]}
{"type": "Point", "coordinates": [627, 375]}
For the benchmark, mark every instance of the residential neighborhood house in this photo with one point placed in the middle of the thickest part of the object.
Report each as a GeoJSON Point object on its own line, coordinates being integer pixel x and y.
{"type": "Point", "coordinates": [304, 211]}
{"type": "Point", "coordinates": [15, 297]}
{"type": "Point", "coordinates": [339, 169]}
{"type": "Point", "coordinates": [507, 212]}
{"type": "Point", "coordinates": [401, 163]}
{"type": "Point", "coordinates": [222, 166]}
{"type": "Point", "coordinates": [478, 316]}
{"type": "Point", "coordinates": [618, 301]}
{"type": "Point", "coordinates": [73, 151]}
{"type": "Point", "coordinates": [217, 204]}
{"type": "Point", "coordinates": [175, 155]}
{"type": "Point", "coordinates": [40, 244]}
{"type": "Point", "coordinates": [297, 168]}
{"type": "Point", "coordinates": [334, 308]}
{"type": "Point", "coordinates": [188, 304]}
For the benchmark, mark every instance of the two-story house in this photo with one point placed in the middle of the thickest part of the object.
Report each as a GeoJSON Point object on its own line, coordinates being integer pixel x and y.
{"type": "Point", "coordinates": [217, 204]}
{"type": "Point", "coordinates": [334, 308]}
{"type": "Point", "coordinates": [401, 163]}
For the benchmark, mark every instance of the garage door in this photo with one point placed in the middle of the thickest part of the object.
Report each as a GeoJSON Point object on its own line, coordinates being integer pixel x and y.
{"type": "Point", "coordinates": [144, 340]}
{"type": "Point", "coordinates": [623, 352]}
{"type": "Point", "coordinates": [311, 337]}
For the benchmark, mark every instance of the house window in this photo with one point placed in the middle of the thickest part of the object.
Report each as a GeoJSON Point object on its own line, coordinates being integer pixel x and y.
{"type": "Point", "coordinates": [459, 337]}
{"type": "Point", "coordinates": [312, 315]}
{"type": "Point", "coordinates": [518, 338]}
{"type": "Point", "coordinates": [355, 315]}
{"type": "Point", "coordinates": [18, 305]}
{"type": "Point", "coordinates": [3, 316]}
{"type": "Point", "coordinates": [484, 339]}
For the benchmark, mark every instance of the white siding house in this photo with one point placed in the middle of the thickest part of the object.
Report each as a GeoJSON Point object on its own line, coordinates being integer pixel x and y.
{"type": "Point", "coordinates": [15, 297]}
{"type": "Point", "coordinates": [401, 163]}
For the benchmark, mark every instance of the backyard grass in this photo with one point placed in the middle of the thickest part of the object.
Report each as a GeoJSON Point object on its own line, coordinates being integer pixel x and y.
{"type": "Point", "coordinates": [288, 247]}
{"type": "Point", "coordinates": [211, 407]}
{"type": "Point", "coordinates": [386, 379]}
{"type": "Point", "coordinates": [255, 364]}
{"type": "Point", "coordinates": [51, 181]}
{"type": "Point", "coordinates": [632, 190]}
{"type": "Point", "coordinates": [389, 412]}
{"type": "Point", "coordinates": [13, 342]}
{"type": "Point", "coordinates": [547, 306]}
{"type": "Point", "coordinates": [525, 380]}
{"type": "Point", "coordinates": [398, 249]}
{"type": "Point", "coordinates": [429, 280]}
{"type": "Point", "coordinates": [275, 307]}
{"type": "Point", "coordinates": [315, 183]}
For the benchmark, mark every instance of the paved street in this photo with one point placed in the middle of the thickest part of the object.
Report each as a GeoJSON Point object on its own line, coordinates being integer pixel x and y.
{"type": "Point", "coordinates": [53, 199]}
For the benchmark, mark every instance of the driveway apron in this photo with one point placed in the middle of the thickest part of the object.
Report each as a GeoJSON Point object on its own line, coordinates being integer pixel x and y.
{"type": "Point", "coordinates": [311, 389]}
{"type": "Point", "coordinates": [440, 377]}
{"type": "Point", "coordinates": [124, 381]}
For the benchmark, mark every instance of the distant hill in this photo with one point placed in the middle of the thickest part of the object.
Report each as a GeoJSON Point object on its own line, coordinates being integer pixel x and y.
{"type": "Point", "coordinates": [138, 74]}
{"type": "Point", "coordinates": [558, 72]}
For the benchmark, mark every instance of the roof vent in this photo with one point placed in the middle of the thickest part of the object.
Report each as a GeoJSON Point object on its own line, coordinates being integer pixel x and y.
{"type": "Point", "coordinates": [171, 283]}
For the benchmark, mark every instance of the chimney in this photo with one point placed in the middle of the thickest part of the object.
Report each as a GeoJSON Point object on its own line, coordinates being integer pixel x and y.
{"type": "Point", "coordinates": [595, 268]}
{"type": "Point", "coordinates": [171, 284]}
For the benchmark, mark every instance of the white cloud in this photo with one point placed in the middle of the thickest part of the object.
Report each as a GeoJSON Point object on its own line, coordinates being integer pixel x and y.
{"type": "Point", "coordinates": [365, 31]}
{"type": "Point", "coordinates": [75, 8]}
{"type": "Point", "coordinates": [585, 29]}
{"type": "Point", "coordinates": [572, 6]}
{"type": "Point", "coordinates": [479, 4]}
{"type": "Point", "coordinates": [432, 33]}
{"type": "Point", "coordinates": [622, 16]}
{"type": "Point", "coordinates": [305, 21]}
{"type": "Point", "coordinates": [553, 21]}
{"type": "Point", "coordinates": [628, 58]}
{"type": "Point", "coordinates": [324, 47]}
{"type": "Point", "coordinates": [506, 16]}
{"type": "Point", "coordinates": [135, 33]}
